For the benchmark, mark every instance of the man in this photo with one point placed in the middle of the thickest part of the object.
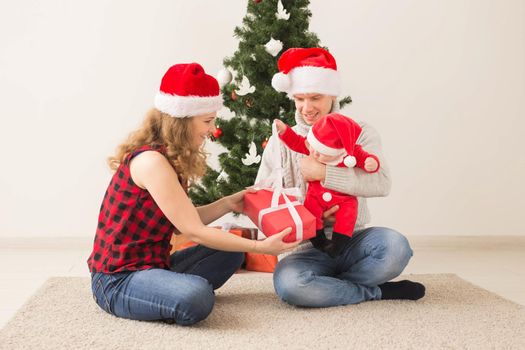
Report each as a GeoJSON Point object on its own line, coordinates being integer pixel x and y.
{"type": "Point", "coordinates": [375, 255]}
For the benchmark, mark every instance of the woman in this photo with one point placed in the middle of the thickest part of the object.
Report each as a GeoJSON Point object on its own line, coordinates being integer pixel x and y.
{"type": "Point", "coordinates": [133, 274]}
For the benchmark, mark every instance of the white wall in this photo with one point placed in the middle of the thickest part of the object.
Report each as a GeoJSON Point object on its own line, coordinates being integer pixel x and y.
{"type": "Point", "coordinates": [443, 81]}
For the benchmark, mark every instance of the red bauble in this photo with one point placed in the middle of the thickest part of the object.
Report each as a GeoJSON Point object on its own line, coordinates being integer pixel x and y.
{"type": "Point", "coordinates": [257, 1]}
{"type": "Point", "coordinates": [234, 96]}
{"type": "Point", "coordinates": [265, 142]}
{"type": "Point", "coordinates": [217, 133]}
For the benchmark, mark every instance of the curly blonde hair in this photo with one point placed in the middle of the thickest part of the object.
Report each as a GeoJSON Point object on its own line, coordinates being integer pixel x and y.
{"type": "Point", "coordinates": [175, 134]}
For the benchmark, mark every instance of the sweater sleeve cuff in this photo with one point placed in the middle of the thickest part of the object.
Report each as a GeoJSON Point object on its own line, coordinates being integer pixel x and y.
{"type": "Point", "coordinates": [336, 178]}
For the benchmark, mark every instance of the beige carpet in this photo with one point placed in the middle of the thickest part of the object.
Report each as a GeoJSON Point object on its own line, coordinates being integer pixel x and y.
{"type": "Point", "coordinates": [248, 315]}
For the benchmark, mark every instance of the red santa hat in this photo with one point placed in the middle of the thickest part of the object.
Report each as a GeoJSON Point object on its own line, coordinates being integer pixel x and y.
{"type": "Point", "coordinates": [333, 135]}
{"type": "Point", "coordinates": [187, 91]}
{"type": "Point", "coordinates": [307, 70]}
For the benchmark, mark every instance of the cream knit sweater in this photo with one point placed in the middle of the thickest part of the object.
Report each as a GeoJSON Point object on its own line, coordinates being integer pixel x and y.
{"type": "Point", "coordinates": [352, 181]}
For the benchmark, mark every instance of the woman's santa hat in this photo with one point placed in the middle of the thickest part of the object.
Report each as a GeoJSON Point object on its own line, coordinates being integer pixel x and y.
{"type": "Point", "coordinates": [307, 70]}
{"type": "Point", "coordinates": [335, 135]}
{"type": "Point", "coordinates": [187, 91]}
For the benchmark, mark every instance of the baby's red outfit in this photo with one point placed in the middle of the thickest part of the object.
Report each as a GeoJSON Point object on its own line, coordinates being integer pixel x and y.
{"type": "Point", "coordinates": [318, 198]}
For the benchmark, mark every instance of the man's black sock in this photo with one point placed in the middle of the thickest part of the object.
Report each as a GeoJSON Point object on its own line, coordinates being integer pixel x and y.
{"type": "Point", "coordinates": [402, 290]}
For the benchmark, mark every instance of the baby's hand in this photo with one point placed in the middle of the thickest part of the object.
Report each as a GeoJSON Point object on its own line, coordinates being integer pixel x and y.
{"type": "Point", "coordinates": [281, 127]}
{"type": "Point", "coordinates": [371, 164]}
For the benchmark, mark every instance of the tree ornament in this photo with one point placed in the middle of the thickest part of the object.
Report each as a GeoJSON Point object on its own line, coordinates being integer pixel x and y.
{"type": "Point", "coordinates": [223, 176]}
{"type": "Point", "coordinates": [263, 20]}
{"type": "Point", "coordinates": [251, 157]}
{"type": "Point", "coordinates": [281, 12]}
{"type": "Point", "coordinates": [273, 47]}
{"type": "Point", "coordinates": [245, 87]}
{"type": "Point", "coordinates": [217, 133]}
{"type": "Point", "coordinates": [224, 76]}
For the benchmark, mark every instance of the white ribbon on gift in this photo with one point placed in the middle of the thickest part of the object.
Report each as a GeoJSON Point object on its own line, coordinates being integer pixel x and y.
{"type": "Point", "coordinates": [274, 183]}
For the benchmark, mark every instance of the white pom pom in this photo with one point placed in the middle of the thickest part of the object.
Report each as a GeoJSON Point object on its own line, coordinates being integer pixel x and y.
{"type": "Point", "coordinates": [281, 82]}
{"type": "Point", "coordinates": [224, 76]}
{"type": "Point", "coordinates": [350, 161]}
{"type": "Point", "coordinates": [327, 196]}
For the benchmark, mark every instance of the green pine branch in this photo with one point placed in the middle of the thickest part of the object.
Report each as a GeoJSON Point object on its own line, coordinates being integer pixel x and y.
{"type": "Point", "coordinates": [254, 112]}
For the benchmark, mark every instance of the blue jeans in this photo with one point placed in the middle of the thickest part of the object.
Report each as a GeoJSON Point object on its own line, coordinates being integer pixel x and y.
{"type": "Point", "coordinates": [311, 278]}
{"type": "Point", "coordinates": [183, 295]}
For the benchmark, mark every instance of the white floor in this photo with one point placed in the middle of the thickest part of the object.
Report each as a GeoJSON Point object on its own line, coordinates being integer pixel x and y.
{"type": "Point", "coordinates": [494, 263]}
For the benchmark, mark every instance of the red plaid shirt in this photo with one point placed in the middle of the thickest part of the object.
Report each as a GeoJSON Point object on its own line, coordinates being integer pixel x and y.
{"type": "Point", "coordinates": [132, 233]}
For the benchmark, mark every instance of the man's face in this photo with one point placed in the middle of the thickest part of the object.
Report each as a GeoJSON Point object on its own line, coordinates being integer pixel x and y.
{"type": "Point", "coordinates": [313, 106]}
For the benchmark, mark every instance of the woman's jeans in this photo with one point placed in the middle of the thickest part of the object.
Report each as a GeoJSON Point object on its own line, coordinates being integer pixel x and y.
{"type": "Point", "coordinates": [183, 295]}
{"type": "Point", "coordinates": [311, 278]}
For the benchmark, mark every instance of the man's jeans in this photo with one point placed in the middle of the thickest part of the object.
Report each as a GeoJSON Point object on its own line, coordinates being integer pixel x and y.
{"type": "Point", "coordinates": [183, 295]}
{"type": "Point", "coordinates": [311, 278]}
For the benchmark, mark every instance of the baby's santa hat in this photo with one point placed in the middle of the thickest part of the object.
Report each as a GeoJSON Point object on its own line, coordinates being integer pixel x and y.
{"type": "Point", "coordinates": [333, 135]}
{"type": "Point", "coordinates": [307, 70]}
{"type": "Point", "coordinates": [187, 91]}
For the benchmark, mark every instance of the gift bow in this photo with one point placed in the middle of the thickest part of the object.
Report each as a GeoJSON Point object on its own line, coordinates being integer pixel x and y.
{"type": "Point", "coordinates": [274, 183]}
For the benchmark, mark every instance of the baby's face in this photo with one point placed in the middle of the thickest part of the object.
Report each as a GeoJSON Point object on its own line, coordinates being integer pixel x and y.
{"type": "Point", "coordinates": [323, 158]}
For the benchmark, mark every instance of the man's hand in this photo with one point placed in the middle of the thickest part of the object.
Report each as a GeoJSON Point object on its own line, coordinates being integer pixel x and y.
{"type": "Point", "coordinates": [329, 215]}
{"type": "Point", "coordinates": [312, 170]}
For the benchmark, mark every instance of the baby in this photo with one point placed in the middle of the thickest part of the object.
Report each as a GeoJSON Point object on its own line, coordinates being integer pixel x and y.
{"type": "Point", "coordinates": [331, 141]}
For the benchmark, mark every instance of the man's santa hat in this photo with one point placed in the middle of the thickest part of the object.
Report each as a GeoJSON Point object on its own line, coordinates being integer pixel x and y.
{"type": "Point", "coordinates": [335, 135]}
{"type": "Point", "coordinates": [187, 91]}
{"type": "Point", "coordinates": [307, 70]}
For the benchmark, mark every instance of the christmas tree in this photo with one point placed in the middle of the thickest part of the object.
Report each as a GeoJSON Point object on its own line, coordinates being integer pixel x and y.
{"type": "Point", "coordinates": [269, 28]}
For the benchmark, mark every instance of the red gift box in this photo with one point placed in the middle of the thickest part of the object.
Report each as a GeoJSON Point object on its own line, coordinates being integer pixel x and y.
{"type": "Point", "coordinates": [180, 242]}
{"type": "Point", "coordinates": [260, 262]}
{"type": "Point", "coordinates": [275, 221]}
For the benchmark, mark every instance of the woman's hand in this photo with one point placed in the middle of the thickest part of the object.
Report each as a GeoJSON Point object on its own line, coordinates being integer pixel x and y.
{"type": "Point", "coordinates": [235, 202]}
{"type": "Point", "coordinates": [274, 245]}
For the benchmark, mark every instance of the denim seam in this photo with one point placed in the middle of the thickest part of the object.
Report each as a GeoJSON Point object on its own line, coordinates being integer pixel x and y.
{"type": "Point", "coordinates": [104, 296]}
